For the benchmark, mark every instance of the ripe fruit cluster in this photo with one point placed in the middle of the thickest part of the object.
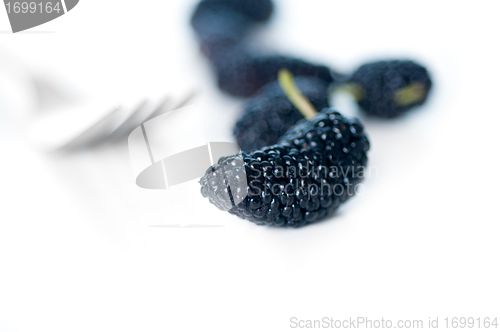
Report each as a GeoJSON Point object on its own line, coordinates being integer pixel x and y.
{"type": "Point", "coordinates": [289, 174]}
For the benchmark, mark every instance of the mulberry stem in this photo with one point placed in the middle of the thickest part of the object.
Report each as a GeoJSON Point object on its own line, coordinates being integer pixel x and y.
{"type": "Point", "coordinates": [410, 94]}
{"type": "Point", "coordinates": [285, 79]}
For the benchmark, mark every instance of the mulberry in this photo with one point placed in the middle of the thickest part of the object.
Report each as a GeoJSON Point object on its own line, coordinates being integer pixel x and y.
{"type": "Point", "coordinates": [390, 88]}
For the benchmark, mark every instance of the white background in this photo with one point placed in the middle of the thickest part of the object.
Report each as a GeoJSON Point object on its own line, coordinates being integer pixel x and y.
{"type": "Point", "coordinates": [77, 252]}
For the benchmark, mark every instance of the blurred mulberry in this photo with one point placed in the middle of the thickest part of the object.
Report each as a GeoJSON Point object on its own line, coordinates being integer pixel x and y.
{"type": "Point", "coordinates": [390, 88]}
{"type": "Point", "coordinates": [218, 27]}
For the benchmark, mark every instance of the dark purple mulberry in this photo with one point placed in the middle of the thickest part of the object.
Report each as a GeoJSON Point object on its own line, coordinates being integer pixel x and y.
{"type": "Point", "coordinates": [390, 88]}
{"type": "Point", "coordinates": [313, 168]}
{"type": "Point", "coordinates": [218, 27]}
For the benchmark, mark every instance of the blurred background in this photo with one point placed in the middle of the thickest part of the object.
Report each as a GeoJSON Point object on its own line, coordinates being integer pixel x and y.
{"type": "Point", "coordinates": [83, 248]}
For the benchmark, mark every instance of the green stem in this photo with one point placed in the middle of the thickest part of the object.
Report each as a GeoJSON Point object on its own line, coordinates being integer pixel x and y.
{"type": "Point", "coordinates": [410, 94]}
{"type": "Point", "coordinates": [285, 79]}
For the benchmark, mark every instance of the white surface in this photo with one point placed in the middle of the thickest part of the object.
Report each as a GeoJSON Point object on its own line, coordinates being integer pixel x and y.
{"type": "Point", "coordinates": [75, 125]}
{"type": "Point", "coordinates": [17, 89]}
{"type": "Point", "coordinates": [77, 252]}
